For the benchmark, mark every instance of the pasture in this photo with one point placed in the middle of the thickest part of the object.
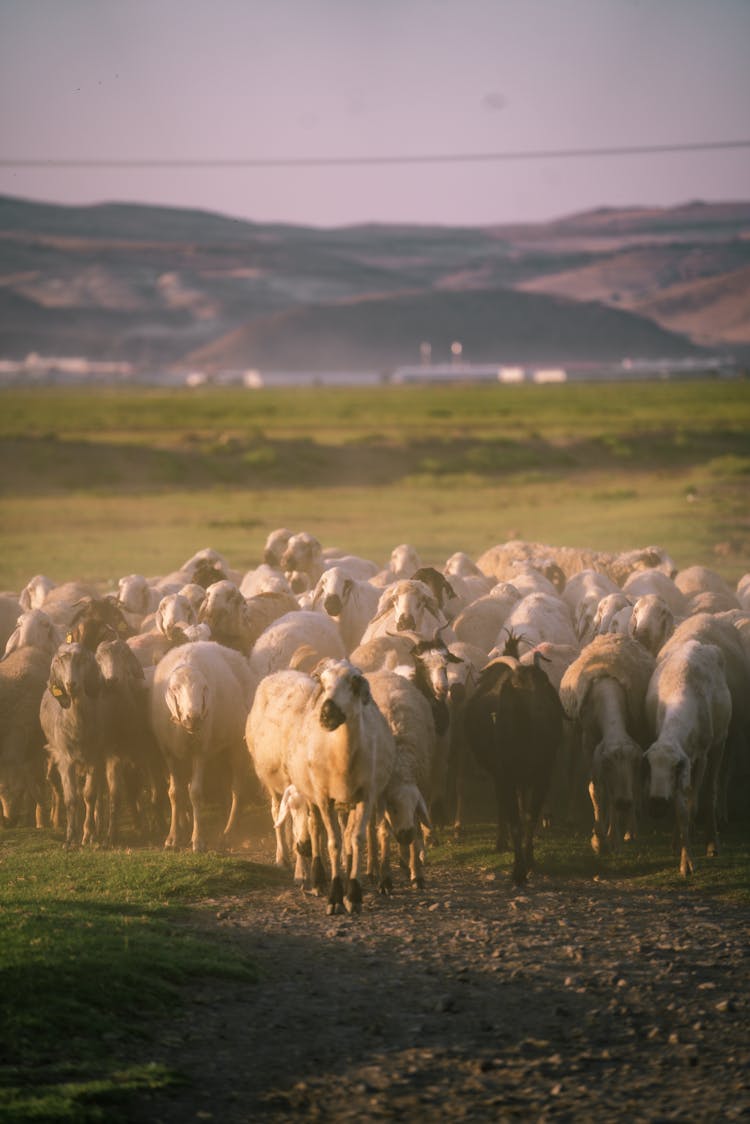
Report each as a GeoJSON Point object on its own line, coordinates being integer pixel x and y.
{"type": "Point", "coordinates": [98, 483]}
{"type": "Point", "coordinates": [98, 949]}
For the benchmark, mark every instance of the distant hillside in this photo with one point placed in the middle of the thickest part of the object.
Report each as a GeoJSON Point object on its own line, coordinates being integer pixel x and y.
{"type": "Point", "coordinates": [163, 286]}
{"type": "Point", "coordinates": [497, 325]}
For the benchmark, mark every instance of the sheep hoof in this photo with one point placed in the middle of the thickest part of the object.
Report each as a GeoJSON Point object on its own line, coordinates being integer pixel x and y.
{"type": "Point", "coordinates": [386, 886]}
{"type": "Point", "coordinates": [353, 899]}
{"type": "Point", "coordinates": [712, 849]}
{"type": "Point", "coordinates": [417, 883]}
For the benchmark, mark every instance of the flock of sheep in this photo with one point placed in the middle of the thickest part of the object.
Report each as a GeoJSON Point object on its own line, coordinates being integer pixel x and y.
{"type": "Point", "coordinates": [358, 696]}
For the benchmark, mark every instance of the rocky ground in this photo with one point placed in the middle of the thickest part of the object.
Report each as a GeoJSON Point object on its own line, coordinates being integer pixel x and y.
{"type": "Point", "coordinates": [469, 1000]}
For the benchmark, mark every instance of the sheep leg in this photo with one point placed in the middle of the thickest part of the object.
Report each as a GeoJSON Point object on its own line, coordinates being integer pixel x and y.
{"type": "Point", "coordinates": [196, 799]}
{"type": "Point", "coordinates": [237, 775]}
{"type": "Point", "coordinates": [91, 790]}
{"type": "Point", "coordinates": [501, 840]}
{"type": "Point", "coordinates": [114, 785]}
{"type": "Point", "coordinates": [69, 784]}
{"type": "Point", "coordinates": [356, 829]}
{"type": "Point", "coordinates": [598, 836]}
{"type": "Point", "coordinates": [385, 884]}
{"type": "Point", "coordinates": [317, 872]}
{"type": "Point", "coordinates": [682, 818]}
{"type": "Point", "coordinates": [178, 806]}
{"type": "Point", "coordinates": [711, 784]}
{"type": "Point", "coordinates": [516, 833]}
{"type": "Point", "coordinates": [333, 835]}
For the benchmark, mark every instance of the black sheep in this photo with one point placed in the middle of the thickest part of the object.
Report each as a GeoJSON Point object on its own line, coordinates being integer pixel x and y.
{"type": "Point", "coordinates": [514, 723]}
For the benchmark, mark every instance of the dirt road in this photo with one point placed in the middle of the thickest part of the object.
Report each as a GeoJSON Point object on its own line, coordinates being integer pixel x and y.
{"type": "Point", "coordinates": [470, 1001]}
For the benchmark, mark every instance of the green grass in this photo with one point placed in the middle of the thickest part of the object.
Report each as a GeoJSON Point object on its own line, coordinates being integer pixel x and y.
{"type": "Point", "coordinates": [98, 483]}
{"type": "Point", "coordinates": [93, 949]}
{"type": "Point", "coordinates": [564, 858]}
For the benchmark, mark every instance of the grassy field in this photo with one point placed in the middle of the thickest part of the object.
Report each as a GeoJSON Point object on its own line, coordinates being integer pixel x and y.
{"type": "Point", "coordinates": [98, 483]}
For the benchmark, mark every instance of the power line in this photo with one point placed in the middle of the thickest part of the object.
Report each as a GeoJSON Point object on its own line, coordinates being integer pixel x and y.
{"type": "Point", "coordinates": [357, 161]}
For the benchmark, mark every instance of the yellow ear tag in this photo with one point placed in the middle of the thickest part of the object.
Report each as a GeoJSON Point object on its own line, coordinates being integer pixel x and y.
{"type": "Point", "coordinates": [56, 691]}
{"type": "Point", "coordinates": [69, 638]}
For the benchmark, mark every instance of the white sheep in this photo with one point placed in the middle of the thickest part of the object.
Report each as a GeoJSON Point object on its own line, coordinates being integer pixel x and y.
{"type": "Point", "coordinates": [34, 629]}
{"type": "Point", "coordinates": [264, 579]}
{"type": "Point", "coordinates": [34, 593]}
{"type": "Point", "coordinates": [499, 560]}
{"type": "Point", "coordinates": [582, 594]}
{"type": "Point", "coordinates": [612, 614]}
{"type": "Point", "coordinates": [407, 606]}
{"type": "Point", "coordinates": [537, 618]}
{"type": "Point", "coordinates": [689, 707]}
{"type": "Point", "coordinates": [277, 644]}
{"type": "Point", "coordinates": [404, 562]}
{"type": "Point", "coordinates": [604, 690]}
{"type": "Point", "coordinates": [350, 602]}
{"type": "Point", "coordinates": [408, 791]}
{"type": "Point", "coordinates": [200, 699]}
{"type": "Point", "coordinates": [743, 591]}
{"type": "Point", "coordinates": [237, 621]}
{"type": "Point", "coordinates": [702, 586]}
{"type": "Point", "coordinates": [481, 622]}
{"type": "Point", "coordinates": [23, 681]}
{"type": "Point", "coordinates": [304, 554]}
{"type": "Point", "coordinates": [654, 582]}
{"type": "Point", "coordinates": [651, 622]}
{"type": "Point", "coordinates": [339, 754]}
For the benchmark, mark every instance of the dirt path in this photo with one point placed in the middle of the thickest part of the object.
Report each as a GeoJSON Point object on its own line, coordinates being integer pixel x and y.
{"type": "Point", "coordinates": [470, 1001]}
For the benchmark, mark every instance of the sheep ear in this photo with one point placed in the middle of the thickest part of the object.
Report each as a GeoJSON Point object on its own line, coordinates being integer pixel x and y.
{"type": "Point", "coordinates": [348, 587]}
{"type": "Point", "coordinates": [361, 688]}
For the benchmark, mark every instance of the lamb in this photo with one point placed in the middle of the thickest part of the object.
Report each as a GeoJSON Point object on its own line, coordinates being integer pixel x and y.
{"type": "Point", "coordinates": [201, 696]}
{"type": "Point", "coordinates": [236, 621]}
{"type": "Point", "coordinates": [70, 719]}
{"type": "Point", "coordinates": [277, 644]}
{"type": "Point", "coordinates": [271, 723]}
{"type": "Point", "coordinates": [350, 602]}
{"type": "Point", "coordinates": [406, 606]}
{"type": "Point", "coordinates": [689, 707]}
{"type": "Point", "coordinates": [338, 752]}
{"type": "Point", "coordinates": [651, 622]}
{"type": "Point", "coordinates": [514, 724]}
{"type": "Point", "coordinates": [408, 791]}
{"type": "Point", "coordinates": [604, 690]}
{"type": "Point", "coordinates": [481, 622]}
{"type": "Point", "coordinates": [23, 681]}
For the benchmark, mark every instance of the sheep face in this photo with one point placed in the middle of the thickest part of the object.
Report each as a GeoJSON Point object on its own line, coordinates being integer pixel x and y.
{"type": "Point", "coordinates": [333, 591]}
{"type": "Point", "coordinates": [275, 545]}
{"type": "Point", "coordinates": [33, 629]}
{"type": "Point", "coordinates": [616, 767]}
{"type": "Point", "coordinates": [342, 689]}
{"type": "Point", "coordinates": [405, 808]}
{"type": "Point", "coordinates": [173, 615]}
{"type": "Point", "coordinates": [35, 591]}
{"type": "Point", "coordinates": [303, 552]}
{"type": "Point", "coordinates": [134, 594]}
{"type": "Point", "coordinates": [411, 601]}
{"type": "Point", "coordinates": [118, 664]}
{"type": "Point", "coordinates": [651, 622]}
{"type": "Point", "coordinates": [668, 775]}
{"type": "Point", "coordinates": [187, 697]}
{"type": "Point", "coordinates": [74, 673]}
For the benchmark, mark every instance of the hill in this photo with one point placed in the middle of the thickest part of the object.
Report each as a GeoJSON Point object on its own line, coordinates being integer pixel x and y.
{"type": "Point", "coordinates": [160, 286]}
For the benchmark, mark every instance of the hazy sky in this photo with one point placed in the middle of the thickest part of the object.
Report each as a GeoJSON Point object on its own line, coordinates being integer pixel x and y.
{"type": "Point", "coordinates": [263, 79]}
